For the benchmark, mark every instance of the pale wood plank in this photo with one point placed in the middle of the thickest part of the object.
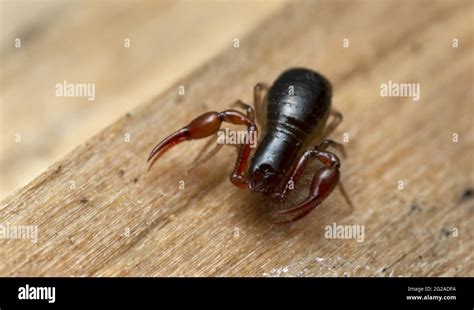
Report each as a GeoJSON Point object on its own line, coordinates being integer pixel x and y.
{"type": "Point", "coordinates": [193, 231]}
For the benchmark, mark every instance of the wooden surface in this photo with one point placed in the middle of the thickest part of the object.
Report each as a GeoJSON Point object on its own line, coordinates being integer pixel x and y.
{"type": "Point", "coordinates": [122, 221]}
{"type": "Point", "coordinates": [64, 40]}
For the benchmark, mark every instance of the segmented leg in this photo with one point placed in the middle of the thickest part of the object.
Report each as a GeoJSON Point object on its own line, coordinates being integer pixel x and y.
{"type": "Point", "coordinates": [259, 92]}
{"type": "Point", "coordinates": [324, 180]}
{"type": "Point", "coordinates": [200, 159]}
{"type": "Point", "coordinates": [330, 143]}
{"type": "Point", "coordinates": [326, 158]}
{"type": "Point", "coordinates": [201, 127]}
{"type": "Point", "coordinates": [237, 177]}
{"type": "Point", "coordinates": [300, 215]}
{"type": "Point", "coordinates": [323, 183]}
{"type": "Point", "coordinates": [250, 111]}
{"type": "Point", "coordinates": [340, 147]}
{"type": "Point", "coordinates": [336, 120]}
{"type": "Point", "coordinates": [344, 194]}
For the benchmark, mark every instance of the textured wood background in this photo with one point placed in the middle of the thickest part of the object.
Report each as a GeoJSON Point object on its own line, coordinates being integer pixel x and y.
{"type": "Point", "coordinates": [83, 42]}
{"type": "Point", "coordinates": [121, 220]}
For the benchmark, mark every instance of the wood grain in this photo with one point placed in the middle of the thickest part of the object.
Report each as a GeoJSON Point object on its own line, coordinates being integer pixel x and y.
{"type": "Point", "coordinates": [83, 42]}
{"type": "Point", "coordinates": [122, 221]}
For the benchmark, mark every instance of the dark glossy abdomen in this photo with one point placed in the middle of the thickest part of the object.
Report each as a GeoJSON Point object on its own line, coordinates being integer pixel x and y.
{"type": "Point", "coordinates": [298, 101]}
